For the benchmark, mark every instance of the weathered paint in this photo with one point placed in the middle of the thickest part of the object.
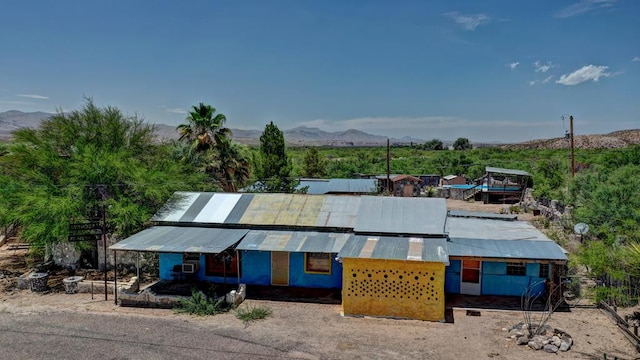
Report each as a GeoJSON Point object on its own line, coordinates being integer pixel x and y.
{"type": "Point", "coordinates": [166, 263]}
{"type": "Point", "coordinates": [256, 270]}
{"type": "Point", "coordinates": [452, 277]}
{"type": "Point", "coordinates": [393, 288]}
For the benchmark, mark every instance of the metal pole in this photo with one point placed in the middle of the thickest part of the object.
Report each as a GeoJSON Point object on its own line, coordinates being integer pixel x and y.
{"type": "Point", "coordinates": [104, 247]}
{"type": "Point", "coordinates": [388, 167]}
{"type": "Point", "coordinates": [115, 277]}
{"type": "Point", "coordinates": [573, 164]}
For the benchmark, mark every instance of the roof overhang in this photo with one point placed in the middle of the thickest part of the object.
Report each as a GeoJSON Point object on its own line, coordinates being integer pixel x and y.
{"type": "Point", "coordinates": [177, 239]}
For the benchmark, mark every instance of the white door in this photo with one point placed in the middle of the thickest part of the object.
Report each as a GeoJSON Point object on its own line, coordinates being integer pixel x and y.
{"type": "Point", "coordinates": [470, 277]}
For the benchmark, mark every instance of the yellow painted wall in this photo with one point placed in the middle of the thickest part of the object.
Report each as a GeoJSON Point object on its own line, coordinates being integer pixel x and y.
{"type": "Point", "coordinates": [395, 288]}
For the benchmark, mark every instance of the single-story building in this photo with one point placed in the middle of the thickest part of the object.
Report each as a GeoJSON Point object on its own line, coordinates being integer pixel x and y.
{"type": "Point", "coordinates": [391, 256]}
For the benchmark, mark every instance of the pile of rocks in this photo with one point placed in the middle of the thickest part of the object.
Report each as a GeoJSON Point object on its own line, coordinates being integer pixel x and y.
{"type": "Point", "coordinates": [546, 338]}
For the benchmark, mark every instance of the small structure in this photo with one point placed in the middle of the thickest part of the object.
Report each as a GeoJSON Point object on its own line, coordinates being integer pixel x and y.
{"type": "Point", "coordinates": [401, 185]}
{"type": "Point", "coordinates": [453, 180]}
{"type": "Point", "coordinates": [499, 256]}
{"type": "Point", "coordinates": [499, 185]}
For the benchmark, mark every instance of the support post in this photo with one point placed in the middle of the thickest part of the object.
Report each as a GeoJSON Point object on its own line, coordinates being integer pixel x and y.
{"type": "Point", "coordinates": [115, 277]}
{"type": "Point", "coordinates": [573, 163]}
{"type": "Point", "coordinates": [388, 167]}
{"type": "Point", "coordinates": [104, 247]}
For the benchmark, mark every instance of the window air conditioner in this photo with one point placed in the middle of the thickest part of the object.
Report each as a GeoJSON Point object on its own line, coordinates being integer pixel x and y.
{"type": "Point", "coordinates": [189, 268]}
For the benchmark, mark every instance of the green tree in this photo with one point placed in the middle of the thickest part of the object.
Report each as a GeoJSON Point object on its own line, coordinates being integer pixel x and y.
{"type": "Point", "coordinates": [314, 165]}
{"type": "Point", "coordinates": [275, 168]}
{"type": "Point", "coordinates": [204, 128]}
{"type": "Point", "coordinates": [435, 144]}
{"type": "Point", "coordinates": [462, 144]}
{"type": "Point", "coordinates": [48, 175]}
{"type": "Point", "coordinates": [230, 165]}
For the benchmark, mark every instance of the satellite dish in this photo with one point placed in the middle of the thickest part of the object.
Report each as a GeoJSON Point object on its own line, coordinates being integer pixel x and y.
{"type": "Point", "coordinates": [581, 228]}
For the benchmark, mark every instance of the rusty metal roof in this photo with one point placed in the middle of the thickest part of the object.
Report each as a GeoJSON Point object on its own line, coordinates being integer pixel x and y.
{"type": "Point", "coordinates": [293, 241]}
{"type": "Point", "coordinates": [181, 239]}
{"type": "Point", "coordinates": [396, 248]}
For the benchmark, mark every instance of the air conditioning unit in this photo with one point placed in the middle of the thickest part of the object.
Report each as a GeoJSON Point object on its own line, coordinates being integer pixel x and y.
{"type": "Point", "coordinates": [189, 268]}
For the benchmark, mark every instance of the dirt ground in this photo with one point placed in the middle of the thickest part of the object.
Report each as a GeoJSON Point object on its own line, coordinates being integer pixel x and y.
{"type": "Point", "coordinates": [320, 332]}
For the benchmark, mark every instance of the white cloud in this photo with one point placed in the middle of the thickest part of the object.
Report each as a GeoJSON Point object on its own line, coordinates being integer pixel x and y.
{"type": "Point", "coordinates": [174, 110]}
{"type": "Point", "coordinates": [469, 22]}
{"type": "Point", "coordinates": [543, 81]}
{"type": "Point", "coordinates": [32, 96]}
{"type": "Point", "coordinates": [637, 58]}
{"type": "Point", "coordinates": [583, 7]}
{"type": "Point", "coordinates": [585, 73]}
{"type": "Point", "coordinates": [513, 65]}
{"type": "Point", "coordinates": [540, 67]}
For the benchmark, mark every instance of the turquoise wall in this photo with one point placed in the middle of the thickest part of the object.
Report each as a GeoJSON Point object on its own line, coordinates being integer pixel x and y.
{"type": "Point", "coordinates": [452, 277]}
{"type": "Point", "coordinates": [495, 280]}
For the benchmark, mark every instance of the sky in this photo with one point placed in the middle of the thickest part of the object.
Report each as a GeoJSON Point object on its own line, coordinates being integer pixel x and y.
{"type": "Point", "coordinates": [486, 70]}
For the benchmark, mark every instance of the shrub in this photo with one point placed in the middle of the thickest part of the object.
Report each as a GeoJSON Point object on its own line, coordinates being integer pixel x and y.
{"type": "Point", "coordinates": [199, 304]}
{"type": "Point", "coordinates": [251, 313]}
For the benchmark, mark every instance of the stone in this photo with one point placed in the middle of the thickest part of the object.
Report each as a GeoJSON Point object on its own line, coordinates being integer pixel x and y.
{"type": "Point", "coordinates": [564, 346]}
{"type": "Point", "coordinates": [567, 339]}
{"type": "Point", "coordinates": [516, 332]}
{"type": "Point", "coordinates": [522, 340]}
{"type": "Point", "coordinates": [535, 345]}
{"type": "Point", "coordinates": [550, 348]}
{"type": "Point", "coordinates": [555, 341]}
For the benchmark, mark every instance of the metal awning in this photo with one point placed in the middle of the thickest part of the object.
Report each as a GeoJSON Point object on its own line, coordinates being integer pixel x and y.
{"type": "Point", "coordinates": [396, 248]}
{"type": "Point", "coordinates": [504, 171]}
{"type": "Point", "coordinates": [178, 239]}
{"type": "Point", "coordinates": [293, 241]}
{"type": "Point", "coordinates": [401, 215]}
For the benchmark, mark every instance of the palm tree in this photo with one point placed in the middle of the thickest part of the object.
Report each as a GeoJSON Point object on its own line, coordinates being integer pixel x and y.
{"type": "Point", "coordinates": [204, 128]}
{"type": "Point", "coordinates": [231, 166]}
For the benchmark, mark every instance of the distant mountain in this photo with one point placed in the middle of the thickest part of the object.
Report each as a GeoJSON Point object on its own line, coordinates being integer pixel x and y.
{"type": "Point", "coordinates": [299, 136]}
{"type": "Point", "coordinates": [12, 120]}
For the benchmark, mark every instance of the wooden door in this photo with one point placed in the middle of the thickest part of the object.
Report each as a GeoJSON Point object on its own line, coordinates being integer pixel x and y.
{"type": "Point", "coordinates": [280, 268]}
{"type": "Point", "coordinates": [407, 191]}
{"type": "Point", "coordinates": [471, 277]}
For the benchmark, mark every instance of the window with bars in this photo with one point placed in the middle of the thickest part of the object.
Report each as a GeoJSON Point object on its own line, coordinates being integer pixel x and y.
{"type": "Point", "coordinates": [518, 269]}
{"type": "Point", "coordinates": [544, 271]}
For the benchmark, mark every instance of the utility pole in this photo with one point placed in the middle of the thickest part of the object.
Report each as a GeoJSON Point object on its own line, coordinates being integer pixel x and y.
{"type": "Point", "coordinates": [573, 164]}
{"type": "Point", "coordinates": [388, 167]}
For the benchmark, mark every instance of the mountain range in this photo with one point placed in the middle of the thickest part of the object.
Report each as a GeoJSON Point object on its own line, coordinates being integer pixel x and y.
{"type": "Point", "coordinates": [308, 136]}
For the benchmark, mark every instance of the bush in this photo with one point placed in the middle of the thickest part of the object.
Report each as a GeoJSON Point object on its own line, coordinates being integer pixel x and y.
{"type": "Point", "coordinates": [200, 304]}
{"type": "Point", "coordinates": [251, 313]}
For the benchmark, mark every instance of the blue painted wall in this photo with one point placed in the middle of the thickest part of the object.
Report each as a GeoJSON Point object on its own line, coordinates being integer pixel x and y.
{"type": "Point", "coordinates": [452, 277]}
{"type": "Point", "coordinates": [495, 280]}
{"type": "Point", "coordinates": [167, 261]}
{"type": "Point", "coordinates": [256, 270]}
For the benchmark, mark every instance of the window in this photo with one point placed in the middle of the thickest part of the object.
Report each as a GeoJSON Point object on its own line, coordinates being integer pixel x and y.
{"type": "Point", "coordinates": [317, 263]}
{"type": "Point", "coordinates": [190, 257]}
{"type": "Point", "coordinates": [222, 264]}
{"type": "Point", "coordinates": [519, 269]}
{"type": "Point", "coordinates": [471, 271]}
{"type": "Point", "coordinates": [544, 271]}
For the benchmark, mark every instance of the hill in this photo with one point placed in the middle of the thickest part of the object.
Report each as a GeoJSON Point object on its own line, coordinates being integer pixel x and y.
{"type": "Point", "coordinates": [613, 140]}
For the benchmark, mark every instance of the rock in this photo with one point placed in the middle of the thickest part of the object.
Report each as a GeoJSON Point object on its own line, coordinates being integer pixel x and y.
{"type": "Point", "coordinates": [550, 348]}
{"type": "Point", "coordinates": [535, 345]}
{"type": "Point", "coordinates": [564, 346]}
{"type": "Point", "coordinates": [555, 341]}
{"type": "Point", "coordinates": [522, 340]}
{"type": "Point", "coordinates": [567, 339]}
{"type": "Point", "coordinates": [516, 332]}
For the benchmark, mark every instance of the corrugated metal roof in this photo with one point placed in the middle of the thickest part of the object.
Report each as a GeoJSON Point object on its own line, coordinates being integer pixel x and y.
{"type": "Point", "coordinates": [293, 241]}
{"type": "Point", "coordinates": [181, 239]}
{"type": "Point", "coordinates": [401, 215]}
{"type": "Point", "coordinates": [514, 249]}
{"type": "Point", "coordinates": [336, 186]}
{"type": "Point", "coordinates": [396, 248]}
{"type": "Point", "coordinates": [339, 211]}
{"type": "Point", "coordinates": [472, 228]}
{"type": "Point", "coordinates": [481, 215]}
{"type": "Point", "coordinates": [490, 169]}
{"type": "Point", "coordinates": [497, 238]}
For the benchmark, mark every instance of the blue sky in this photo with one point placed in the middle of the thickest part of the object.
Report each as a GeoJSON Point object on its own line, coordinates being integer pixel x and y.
{"type": "Point", "coordinates": [486, 70]}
